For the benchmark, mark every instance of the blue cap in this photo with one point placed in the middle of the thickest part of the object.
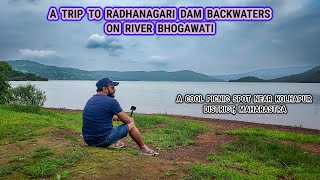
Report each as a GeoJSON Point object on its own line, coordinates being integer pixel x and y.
{"type": "Point", "coordinates": [104, 82]}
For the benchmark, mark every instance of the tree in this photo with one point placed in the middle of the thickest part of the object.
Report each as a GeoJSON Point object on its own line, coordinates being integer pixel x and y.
{"type": "Point", "coordinates": [28, 95]}
{"type": "Point", "coordinates": [4, 84]}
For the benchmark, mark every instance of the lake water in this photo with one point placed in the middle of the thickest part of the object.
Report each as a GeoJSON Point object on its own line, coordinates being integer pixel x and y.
{"type": "Point", "coordinates": [159, 97]}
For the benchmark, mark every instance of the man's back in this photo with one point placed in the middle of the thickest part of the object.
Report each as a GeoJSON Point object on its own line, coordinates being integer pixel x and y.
{"type": "Point", "coordinates": [97, 118]}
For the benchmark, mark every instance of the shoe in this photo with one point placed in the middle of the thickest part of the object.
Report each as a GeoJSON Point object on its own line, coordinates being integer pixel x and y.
{"type": "Point", "coordinates": [150, 152]}
{"type": "Point", "coordinates": [119, 144]}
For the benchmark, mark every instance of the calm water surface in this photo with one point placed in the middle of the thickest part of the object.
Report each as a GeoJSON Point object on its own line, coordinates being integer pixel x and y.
{"type": "Point", "coordinates": [159, 97]}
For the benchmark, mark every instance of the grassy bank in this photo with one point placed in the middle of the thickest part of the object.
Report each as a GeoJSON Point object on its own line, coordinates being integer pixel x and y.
{"type": "Point", "coordinates": [46, 143]}
{"type": "Point", "coordinates": [260, 154]}
{"type": "Point", "coordinates": [43, 143]}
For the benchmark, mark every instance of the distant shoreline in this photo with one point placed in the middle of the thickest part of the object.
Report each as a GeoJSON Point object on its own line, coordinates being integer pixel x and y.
{"type": "Point", "coordinates": [297, 74]}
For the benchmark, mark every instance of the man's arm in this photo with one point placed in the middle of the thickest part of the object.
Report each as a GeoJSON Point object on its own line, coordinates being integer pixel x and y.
{"type": "Point", "coordinates": [124, 117]}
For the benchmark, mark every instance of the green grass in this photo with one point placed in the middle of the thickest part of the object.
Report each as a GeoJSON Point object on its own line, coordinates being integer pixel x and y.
{"type": "Point", "coordinates": [43, 152]}
{"type": "Point", "coordinates": [6, 170]}
{"type": "Point", "coordinates": [135, 152]}
{"type": "Point", "coordinates": [49, 165]}
{"type": "Point", "coordinates": [24, 125]}
{"type": "Point", "coordinates": [72, 138]}
{"type": "Point", "coordinates": [172, 133]}
{"type": "Point", "coordinates": [269, 134]}
{"type": "Point", "coordinates": [63, 175]}
{"type": "Point", "coordinates": [19, 123]}
{"type": "Point", "coordinates": [44, 163]}
{"type": "Point", "coordinates": [259, 154]}
{"type": "Point", "coordinates": [19, 108]}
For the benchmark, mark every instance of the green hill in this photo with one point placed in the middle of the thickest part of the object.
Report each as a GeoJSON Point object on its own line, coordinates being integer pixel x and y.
{"type": "Point", "coordinates": [311, 76]}
{"type": "Point", "coordinates": [13, 75]}
{"type": "Point", "coordinates": [248, 79]}
{"type": "Point", "coordinates": [19, 76]}
{"type": "Point", "coordinates": [62, 73]}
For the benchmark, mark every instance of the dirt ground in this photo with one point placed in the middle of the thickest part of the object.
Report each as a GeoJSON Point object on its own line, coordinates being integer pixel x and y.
{"type": "Point", "coordinates": [213, 140]}
{"type": "Point", "coordinates": [170, 164]}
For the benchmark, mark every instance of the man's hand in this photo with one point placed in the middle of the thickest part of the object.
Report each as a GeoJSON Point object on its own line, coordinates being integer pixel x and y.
{"type": "Point", "coordinates": [115, 118]}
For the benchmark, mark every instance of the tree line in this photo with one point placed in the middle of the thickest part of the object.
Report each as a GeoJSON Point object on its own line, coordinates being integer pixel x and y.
{"type": "Point", "coordinates": [22, 94]}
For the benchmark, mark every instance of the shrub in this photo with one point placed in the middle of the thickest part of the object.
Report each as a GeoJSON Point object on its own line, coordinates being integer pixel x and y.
{"type": "Point", "coordinates": [27, 95]}
{"type": "Point", "coordinates": [4, 89]}
{"type": "Point", "coordinates": [4, 84]}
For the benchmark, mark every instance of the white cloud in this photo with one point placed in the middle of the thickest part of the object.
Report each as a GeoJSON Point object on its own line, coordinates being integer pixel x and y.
{"type": "Point", "coordinates": [111, 45]}
{"type": "Point", "coordinates": [36, 53]}
{"type": "Point", "coordinates": [97, 38]}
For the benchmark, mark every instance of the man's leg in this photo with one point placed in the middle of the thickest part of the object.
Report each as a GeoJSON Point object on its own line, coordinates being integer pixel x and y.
{"type": "Point", "coordinates": [136, 136]}
{"type": "Point", "coordinates": [113, 139]}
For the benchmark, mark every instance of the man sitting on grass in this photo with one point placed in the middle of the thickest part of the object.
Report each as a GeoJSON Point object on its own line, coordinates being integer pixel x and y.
{"type": "Point", "coordinates": [100, 110]}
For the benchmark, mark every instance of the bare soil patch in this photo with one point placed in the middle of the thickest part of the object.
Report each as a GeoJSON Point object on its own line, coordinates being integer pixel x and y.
{"type": "Point", "coordinates": [204, 144]}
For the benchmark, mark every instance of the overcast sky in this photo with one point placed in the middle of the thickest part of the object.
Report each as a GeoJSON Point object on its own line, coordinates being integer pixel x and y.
{"type": "Point", "coordinates": [291, 39]}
